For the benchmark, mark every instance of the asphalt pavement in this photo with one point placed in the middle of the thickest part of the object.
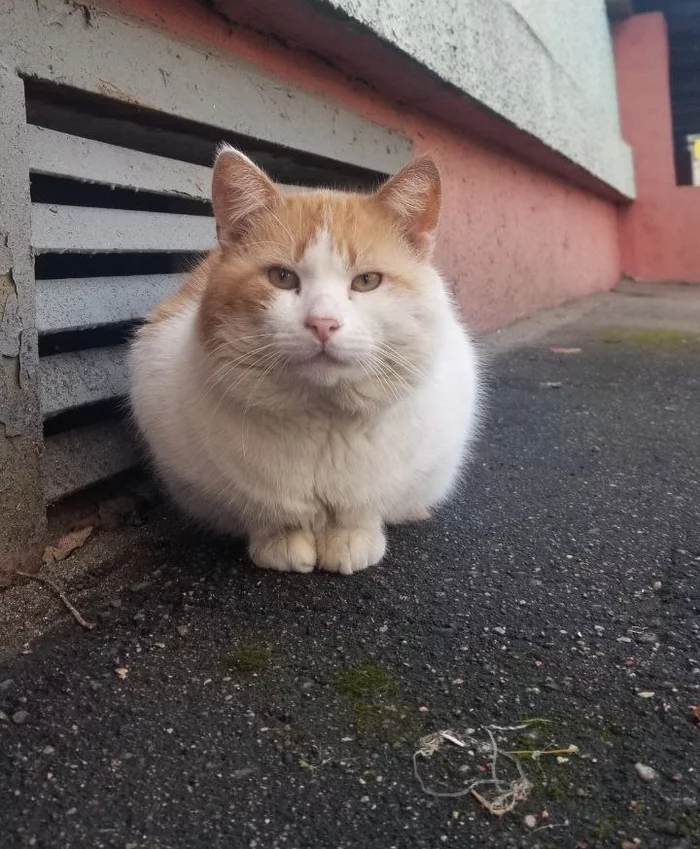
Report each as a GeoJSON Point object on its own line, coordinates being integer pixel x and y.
{"type": "Point", "coordinates": [550, 610]}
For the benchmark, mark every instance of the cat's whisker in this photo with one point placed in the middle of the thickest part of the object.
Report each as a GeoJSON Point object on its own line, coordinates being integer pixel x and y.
{"type": "Point", "coordinates": [227, 367]}
{"type": "Point", "coordinates": [215, 354]}
{"type": "Point", "coordinates": [392, 371]}
{"type": "Point", "coordinates": [260, 363]}
{"type": "Point", "coordinates": [369, 377]}
{"type": "Point", "coordinates": [248, 354]}
{"type": "Point", "coordinates": [233, 343]}
{"type": "Point", "coordinates": [247, 362]}
{"type": "Point", "coordinates": [375, 366]}
{"type": "Point", "coordinates": [229, 389]}
{"type": "Point", "coordinates": [393, 354]}
{"type": "Point", "coordinates": [244, 429]}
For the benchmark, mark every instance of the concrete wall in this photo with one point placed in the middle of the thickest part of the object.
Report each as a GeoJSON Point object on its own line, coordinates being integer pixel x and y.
{"type": "Point", "coordinates": [514, 239]}
{"type": "Point", "coordinates": [577, 36]}
{"type": "Point", "coordinates": [545, 66]}
{"type": "Point", "coordinates": [660, 232]}
{"type": "Point", "coordinates": [22, 518]}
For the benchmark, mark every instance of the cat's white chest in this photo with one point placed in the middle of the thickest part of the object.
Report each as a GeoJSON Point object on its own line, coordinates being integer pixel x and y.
{"type": "Point", "coordinates": [315, 461]}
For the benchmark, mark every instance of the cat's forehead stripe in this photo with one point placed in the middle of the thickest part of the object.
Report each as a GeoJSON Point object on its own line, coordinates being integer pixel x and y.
{"type": "Point", "coordinates": [324, 254]}
{"type": "Point", "coordinates": [336, 216]}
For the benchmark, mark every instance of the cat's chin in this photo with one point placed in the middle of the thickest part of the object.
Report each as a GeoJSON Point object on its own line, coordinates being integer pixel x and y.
{"type": "Point", "coordinates": [324, 369]}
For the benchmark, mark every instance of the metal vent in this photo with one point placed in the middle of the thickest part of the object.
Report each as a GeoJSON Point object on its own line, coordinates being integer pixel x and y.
{"type": "Point", "coordinates": [120, 210]}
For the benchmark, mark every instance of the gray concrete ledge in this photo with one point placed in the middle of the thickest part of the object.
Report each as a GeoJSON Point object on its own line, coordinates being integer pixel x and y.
{"type": "Point", "coordinates": [509, 70]}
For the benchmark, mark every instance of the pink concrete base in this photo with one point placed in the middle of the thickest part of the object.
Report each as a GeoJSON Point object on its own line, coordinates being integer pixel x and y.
{"type": "Point", "coordinates": [660, 232]}
{"type": "Point", "coordinates": [514, 239]}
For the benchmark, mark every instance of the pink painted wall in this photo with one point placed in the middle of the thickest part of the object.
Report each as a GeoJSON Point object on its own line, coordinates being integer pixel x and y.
{"type": "Point", "coordinates": [514, 239]}
{"type": "Point", "coordinates": [659, 233]}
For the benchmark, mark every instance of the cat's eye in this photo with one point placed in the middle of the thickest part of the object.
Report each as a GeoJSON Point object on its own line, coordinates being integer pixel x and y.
{"type": "Point", "coordinates": [367, 282]}
{"type": "Point", "coordinates": [283, 278]}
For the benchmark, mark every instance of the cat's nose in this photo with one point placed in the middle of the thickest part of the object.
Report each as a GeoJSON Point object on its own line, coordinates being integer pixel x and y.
{"type": "Point", "coordinates": [322, 328]}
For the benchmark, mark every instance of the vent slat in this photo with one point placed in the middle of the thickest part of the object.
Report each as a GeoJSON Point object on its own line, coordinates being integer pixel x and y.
{"type": "Point", "coordinates": [78, 378]}
{"type": "Point", "coordinates": [63, 155]}
{"type": "Point", "coordinates": [82, 229]}
{"type": "Point", "coordinates": [81, 302]}
{"type": "Point", "coordinates": [84, 456]}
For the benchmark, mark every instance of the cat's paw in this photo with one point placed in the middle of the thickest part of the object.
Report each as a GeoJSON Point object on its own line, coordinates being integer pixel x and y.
{"type": "Point", "coordinates": [349, 550]}
{"type": "Point", "coordinates": [286, 551]}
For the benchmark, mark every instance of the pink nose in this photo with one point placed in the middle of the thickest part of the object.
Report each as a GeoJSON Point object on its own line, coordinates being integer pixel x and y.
{"type": "Point", "coordinates": [322, 327]}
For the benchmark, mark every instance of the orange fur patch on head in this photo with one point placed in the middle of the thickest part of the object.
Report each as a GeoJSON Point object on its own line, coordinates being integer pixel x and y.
{"type": "Point", "coordinates": [238, 289]}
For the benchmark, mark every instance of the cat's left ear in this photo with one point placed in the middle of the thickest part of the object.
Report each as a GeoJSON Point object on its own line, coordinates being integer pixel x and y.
{"type": "Point", "coordinates": [413, 196]}
{"type": "Point", "coordinates": [239, 191]}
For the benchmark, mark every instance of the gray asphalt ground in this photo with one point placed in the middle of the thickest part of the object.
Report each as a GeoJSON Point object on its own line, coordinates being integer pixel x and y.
{"type": "Point", "coordinates": [215, 705]}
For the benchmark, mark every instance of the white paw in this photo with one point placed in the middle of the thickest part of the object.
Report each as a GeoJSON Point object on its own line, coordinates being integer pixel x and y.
{"type": "Point", "coordinates": [349, 550]}
{"type": "Point", "coordinates": [287, 551]}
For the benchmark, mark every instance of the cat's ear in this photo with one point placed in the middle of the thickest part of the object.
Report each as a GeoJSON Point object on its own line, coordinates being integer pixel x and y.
{"type": "Point", "coordinates": [413, 196]}
{"type": "Point", "coordinates": [239, 190]}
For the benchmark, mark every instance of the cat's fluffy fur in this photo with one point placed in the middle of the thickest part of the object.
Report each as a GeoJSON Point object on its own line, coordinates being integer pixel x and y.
{"type": "Point", "coordinates": [306, 418]}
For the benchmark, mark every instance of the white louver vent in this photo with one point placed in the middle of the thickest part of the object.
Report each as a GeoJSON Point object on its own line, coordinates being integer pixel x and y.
{"type": "Point", "coordinates": [115, 224]}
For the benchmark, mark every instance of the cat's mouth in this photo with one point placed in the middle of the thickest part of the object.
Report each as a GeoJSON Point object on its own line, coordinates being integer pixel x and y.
{"type": "Point", "coordinates": [324, 357]}
{"type": "Point", "coordinates": [324, 364]}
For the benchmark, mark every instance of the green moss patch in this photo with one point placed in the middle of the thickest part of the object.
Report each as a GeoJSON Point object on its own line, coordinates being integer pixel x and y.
{"type": "Point", "coordinates": [248, 660]}
{"type": "Point", "coordinates": [365, 681]}
{"type": "Point", "coordinates": [663, 340]}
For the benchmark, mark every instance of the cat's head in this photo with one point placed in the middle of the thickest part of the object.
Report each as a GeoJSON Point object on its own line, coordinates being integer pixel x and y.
{"type": "Point", "coordinates": [320, 288]}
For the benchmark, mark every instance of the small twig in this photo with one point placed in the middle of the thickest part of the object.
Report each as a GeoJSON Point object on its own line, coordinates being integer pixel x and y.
{"type": "Point", "coordinates": [550, 825]}
{"type": "Point", "coordinates": [538, 753]}
{"type": "Point", "coordinates": [447, 735]}
{"type": "Point", "coordinates": [494, 756]}
{"type": "Point", "coordinates": [526, 723]}
{"type": "Point", "coordinates": [64, 598]}
{"type": "Point", "coordinates": [482, 800]}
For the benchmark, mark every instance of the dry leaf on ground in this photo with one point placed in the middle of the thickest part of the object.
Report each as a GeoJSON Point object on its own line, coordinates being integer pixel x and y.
{"type": "Point", "coordinates": [66, 545]}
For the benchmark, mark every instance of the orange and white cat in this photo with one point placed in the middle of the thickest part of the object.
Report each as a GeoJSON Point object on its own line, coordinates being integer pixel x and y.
{"type": "Point", "coordinates": [310, 382]}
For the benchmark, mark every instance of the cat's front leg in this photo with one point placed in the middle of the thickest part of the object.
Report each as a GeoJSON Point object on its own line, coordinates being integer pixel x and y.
{"type": "Point", "coordinates": [284, 550]}
{"type": "Point", "coordinates": [350, 544]}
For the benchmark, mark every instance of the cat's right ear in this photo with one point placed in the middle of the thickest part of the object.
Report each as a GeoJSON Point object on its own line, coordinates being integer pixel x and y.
{"type": "Point", "coordinates": [413, 196]}
{"type": "Point", "coordinates": [239, 190]}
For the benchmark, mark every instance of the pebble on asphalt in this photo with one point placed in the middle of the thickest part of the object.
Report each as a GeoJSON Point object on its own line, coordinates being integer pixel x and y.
{"type": "Point", "coordinates": [646, 773]}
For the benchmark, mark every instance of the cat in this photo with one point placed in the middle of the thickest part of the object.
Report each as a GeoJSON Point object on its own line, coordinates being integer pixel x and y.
{"type": "Point", "coordinates": [310, 382]}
